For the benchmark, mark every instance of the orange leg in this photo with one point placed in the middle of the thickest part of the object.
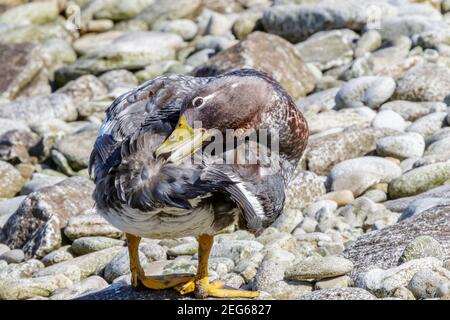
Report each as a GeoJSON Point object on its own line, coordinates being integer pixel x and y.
{"type": "Point", "coordinates": [138, 276]}
{"type": "Point", "coordinates": [201, 286]}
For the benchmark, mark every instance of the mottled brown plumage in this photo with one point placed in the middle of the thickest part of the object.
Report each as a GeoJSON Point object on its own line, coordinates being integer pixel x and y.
{"type": "Point", "coordinates": [147, 195]}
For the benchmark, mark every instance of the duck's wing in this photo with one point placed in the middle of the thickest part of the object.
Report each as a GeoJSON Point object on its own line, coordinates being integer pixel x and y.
{"type": "Point", "coordinates": [154, 106]}
{"type": "Point", "coordinates": [257, 188]}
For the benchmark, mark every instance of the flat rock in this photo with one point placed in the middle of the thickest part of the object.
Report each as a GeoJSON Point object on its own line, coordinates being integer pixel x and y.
{"type": "Point", "coordinates": [419, 180]}
{"type": "Point", "coordinates": [35, 226]}
{"type": "Point", "coordinates": [91, 244]}
{"type": "Point", "coordinates": [383, 248]}
{"type": "Point", "coordinates": [399, 205]}
{"type": "Point", "coordinates": [90, 224]}
{"type": "Point", "coordinates": [318, 268]}
{"type": "Point", "coordinates": [279, 60]}
{"type": "Point", "coordinates": [425, 82]}
{"type": "Point", "coordinates": [338, 294]}
{"type": "Point", "coordinates": [358, 174]}
{"type": "Point", "coordinates": [322, 154]}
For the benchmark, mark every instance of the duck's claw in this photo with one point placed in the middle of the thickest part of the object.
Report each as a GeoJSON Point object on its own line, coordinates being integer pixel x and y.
{"type": "Point", "coordinates": [203, 289]}
{"type": "Point", "coordinates": [162, 281]}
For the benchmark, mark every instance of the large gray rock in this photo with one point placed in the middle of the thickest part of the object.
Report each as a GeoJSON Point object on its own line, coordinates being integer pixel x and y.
{"type": "Point", "coordinates": [383, 248]}
{"type": "Point", "coordinates": [268, 53]}
{"type": "Point", "coordinates": [425, 82]}
{"type": "Point", "coordinates": [36, 225]}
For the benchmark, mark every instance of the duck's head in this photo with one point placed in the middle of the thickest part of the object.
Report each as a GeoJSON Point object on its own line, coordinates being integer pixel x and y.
{"type": "Point", "coordinates": [236, 101]}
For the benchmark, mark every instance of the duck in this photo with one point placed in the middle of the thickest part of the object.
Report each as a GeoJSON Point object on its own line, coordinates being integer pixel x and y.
{"type": "Point", "coordinates": [185, 156]}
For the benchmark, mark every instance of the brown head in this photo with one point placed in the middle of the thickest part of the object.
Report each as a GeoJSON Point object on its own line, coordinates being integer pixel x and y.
{"type": "Point", "coordinates": [244, 100]}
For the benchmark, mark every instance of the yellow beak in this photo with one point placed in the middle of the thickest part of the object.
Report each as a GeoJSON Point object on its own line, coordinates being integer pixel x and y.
{"type": "Point", "coordinates": [183, 142]}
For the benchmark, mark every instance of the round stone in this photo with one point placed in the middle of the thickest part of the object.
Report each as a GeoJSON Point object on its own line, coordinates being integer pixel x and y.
{"type": "Point", "coordinates": [421, 247]}
{"type": "Point", "coordinates": [403, 146]}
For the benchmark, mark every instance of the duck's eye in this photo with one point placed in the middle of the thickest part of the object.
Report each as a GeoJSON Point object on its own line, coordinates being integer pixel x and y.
{"type": "Point", "coordinates": [197, 102]}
